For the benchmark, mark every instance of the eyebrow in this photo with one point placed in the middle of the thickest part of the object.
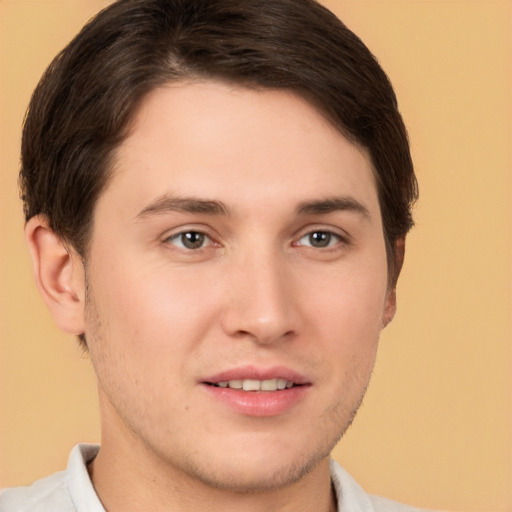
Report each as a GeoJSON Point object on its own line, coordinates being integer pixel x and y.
{"type": "Point", "coordinates": [167, 203]}
{"type": "Point", "coordinates": [333, 204]}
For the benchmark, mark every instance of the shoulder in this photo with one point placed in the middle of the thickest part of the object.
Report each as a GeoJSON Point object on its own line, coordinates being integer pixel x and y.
{"type": "Point", "coordinates": [47, 494]}
{"type": "Point", "coordinates": [66, 491]}
{"type": "Point", "coordinates": [352, 498]}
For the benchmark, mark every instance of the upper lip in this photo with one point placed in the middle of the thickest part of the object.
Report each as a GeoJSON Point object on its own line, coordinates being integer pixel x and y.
{"type": "Point", "coordinates": [258, 373]}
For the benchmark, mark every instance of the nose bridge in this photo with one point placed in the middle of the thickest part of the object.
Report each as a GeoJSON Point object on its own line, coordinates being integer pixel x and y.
{"type": "Point", "coordinates": [261, 303]}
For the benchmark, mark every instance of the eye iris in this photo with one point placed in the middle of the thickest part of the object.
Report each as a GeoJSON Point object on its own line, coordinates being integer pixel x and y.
{"type": "Point", "coordinates": [320, 239]}
{"type": "Point", "coordinates": [192, 240]}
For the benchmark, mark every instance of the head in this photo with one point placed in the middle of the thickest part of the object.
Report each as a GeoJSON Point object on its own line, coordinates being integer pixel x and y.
{"type": "Point", "coordinates": [88, 123]}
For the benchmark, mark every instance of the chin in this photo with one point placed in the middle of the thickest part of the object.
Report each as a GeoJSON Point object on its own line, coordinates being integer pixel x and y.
{"type": "Point", "coordinates": [255, 467]}
{"type": "Point", "coordinates": [244, 477]}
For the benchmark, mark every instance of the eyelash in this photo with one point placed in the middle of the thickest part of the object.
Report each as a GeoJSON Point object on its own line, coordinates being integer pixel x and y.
{"type": "Point", "coordinates": [179, 237]}
{"type": "Point", "coordinates": [329, 237]}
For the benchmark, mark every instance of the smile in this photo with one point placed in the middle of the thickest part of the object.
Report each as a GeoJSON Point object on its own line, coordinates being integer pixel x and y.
{"type": "Point", "coordinates": [255, 385]}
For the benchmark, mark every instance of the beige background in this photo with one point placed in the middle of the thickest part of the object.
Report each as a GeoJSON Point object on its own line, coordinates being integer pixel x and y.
{"type": "Point", "coordinates": [435, 428]}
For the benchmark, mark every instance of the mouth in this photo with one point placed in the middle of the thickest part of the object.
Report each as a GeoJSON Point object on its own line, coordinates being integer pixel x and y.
{"type": "Point", "coordinates": [258, 392]}
{"type": "Point", "coordinates": [276, 384]}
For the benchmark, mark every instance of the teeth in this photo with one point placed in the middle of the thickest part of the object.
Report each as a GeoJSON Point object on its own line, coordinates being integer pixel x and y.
{"type": "Point", "coordinates": [281, 383]}
{"type": "Point", "coordinates": [251, 385]}
{"type": "Point", "coordinates": [268, 385]}
{"type": "Point", "coordinates": [236, 384]}
{"type": "Point", "coordinates": [256, 385]}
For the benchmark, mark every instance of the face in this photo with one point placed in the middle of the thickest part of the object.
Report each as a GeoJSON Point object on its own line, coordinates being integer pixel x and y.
{"type": "Point", "coordinates": [236, 286]}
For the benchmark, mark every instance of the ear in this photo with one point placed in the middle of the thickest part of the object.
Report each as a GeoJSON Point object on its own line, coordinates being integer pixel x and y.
{"type": "Point", "coordinates": [390, 305]}
{"type": "Point", "coordinates": [59, 275]}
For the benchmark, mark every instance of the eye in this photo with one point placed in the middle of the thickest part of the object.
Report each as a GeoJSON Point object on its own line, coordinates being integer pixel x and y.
{"type": "Point", "coordinates": [320, 239]}
{"type": "Point", "coordinates": [190, 240]}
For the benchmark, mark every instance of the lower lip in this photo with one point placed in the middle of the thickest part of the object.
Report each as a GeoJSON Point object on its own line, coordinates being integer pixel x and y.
{"type": "Point", "coordinates": [259, 403]}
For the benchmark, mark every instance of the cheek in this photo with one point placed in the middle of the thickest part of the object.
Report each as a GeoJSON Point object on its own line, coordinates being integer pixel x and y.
{"type": "Point", "coordinates": [350, 300]}
{"type": "Point", "coordinates": [150, 313]}
{"type": "Point", "coordinates": [347, 318]}
{"type": "Point", "coordinates": [144, 335]}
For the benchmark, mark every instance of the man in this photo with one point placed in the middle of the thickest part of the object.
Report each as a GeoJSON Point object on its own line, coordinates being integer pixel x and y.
{"type": "Point", "coordinates": [217, 195]}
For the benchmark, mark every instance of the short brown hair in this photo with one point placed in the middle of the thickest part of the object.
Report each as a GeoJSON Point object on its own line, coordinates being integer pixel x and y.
{"type": "Point", "coordinates": [80, 110]}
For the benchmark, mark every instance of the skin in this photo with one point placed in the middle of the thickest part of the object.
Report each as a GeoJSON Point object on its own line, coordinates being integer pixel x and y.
{"type": "Point", "coordinates": [258, 292]}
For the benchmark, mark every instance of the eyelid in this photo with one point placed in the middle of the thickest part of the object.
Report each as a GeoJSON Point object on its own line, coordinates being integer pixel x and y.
{"type": "Point", "coordinates": [335, 242]}
{"type": "Point", "coordinates": [339, 233]}
{"type": "Point", "coordinates": [175, 233]}
{"type": "Point", "coordinates": [178, 238]}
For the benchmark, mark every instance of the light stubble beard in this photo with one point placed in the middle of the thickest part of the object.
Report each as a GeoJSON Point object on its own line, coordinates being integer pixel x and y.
{"type": "Point", "coordinates": [281, 478]}
{"type": "Point", "coordinates": [339, 417]}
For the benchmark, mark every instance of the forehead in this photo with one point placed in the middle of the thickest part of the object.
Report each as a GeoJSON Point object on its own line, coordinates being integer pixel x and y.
{"type": "Point", "coordinates": [241, 145]}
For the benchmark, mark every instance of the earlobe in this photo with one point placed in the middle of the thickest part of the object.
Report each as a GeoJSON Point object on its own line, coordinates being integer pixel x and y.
{"type": "Point", "coordinates": [390, 306]}
{"type": "Point", "coordinates": [58, 273]}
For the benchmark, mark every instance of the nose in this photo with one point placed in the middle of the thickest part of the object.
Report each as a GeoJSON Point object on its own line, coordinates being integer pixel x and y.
{"type": "Point", "coordinates": [260, 301]}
